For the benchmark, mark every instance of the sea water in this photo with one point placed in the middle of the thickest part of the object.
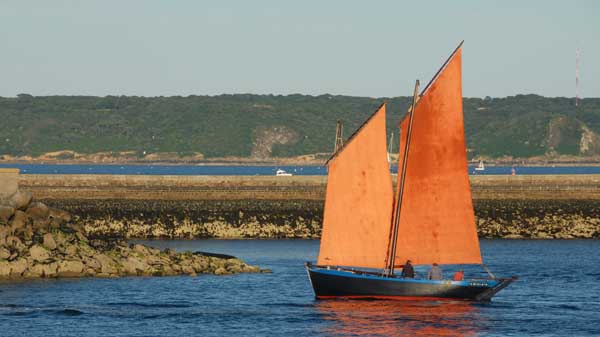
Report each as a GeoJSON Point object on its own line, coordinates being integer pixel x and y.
{"type": "Point", "coordinates": [557, 294]}
{"type": "Point", "coordinates": [242, 170]}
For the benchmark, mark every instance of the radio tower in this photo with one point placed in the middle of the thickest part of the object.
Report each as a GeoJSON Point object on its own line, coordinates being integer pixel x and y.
{"type": "Point", "coordinates": [577, 77]}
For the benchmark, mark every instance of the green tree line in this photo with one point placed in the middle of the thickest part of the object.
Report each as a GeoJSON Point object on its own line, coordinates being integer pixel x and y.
{"type": "Point", "coordinates": [225, 125]}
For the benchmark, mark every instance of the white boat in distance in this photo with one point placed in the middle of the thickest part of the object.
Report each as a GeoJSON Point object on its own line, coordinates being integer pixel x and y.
{"type": "Point", "coordinates": [282, 173]}
{"type": "Point", "coordinates": [480, 167]}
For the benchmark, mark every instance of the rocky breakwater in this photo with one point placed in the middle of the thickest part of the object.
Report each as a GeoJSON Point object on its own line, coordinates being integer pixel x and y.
{"type": "Point", "coordinates": [39, 241]}
{"type": "Point", "coordinates": [188, 207]}
{"type": "Point", "coordinates": [534, 206]}
{"type": "Point", "coordinates": [538, 219]}
{"type": "Point", "coordinates": [189, 219]}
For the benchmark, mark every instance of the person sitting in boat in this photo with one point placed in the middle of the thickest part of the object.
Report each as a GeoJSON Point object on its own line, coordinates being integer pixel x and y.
{"type": "Point", "coordinates": [408, 270]}
{"type": "Point", "coordinates": [459, 275]}
{"type": "Point", "coordinates": [435, 273]}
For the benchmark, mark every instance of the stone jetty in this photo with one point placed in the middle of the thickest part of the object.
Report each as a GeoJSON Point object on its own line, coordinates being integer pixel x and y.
{"type": "Point", "coordinates": [40, 241]}
{"type": "Point", "coordinates": [545, 207]}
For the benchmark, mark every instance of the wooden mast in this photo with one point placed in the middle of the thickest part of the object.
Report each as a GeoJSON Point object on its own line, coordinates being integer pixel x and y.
{"type": "Point", "coordinates": [392, 258]}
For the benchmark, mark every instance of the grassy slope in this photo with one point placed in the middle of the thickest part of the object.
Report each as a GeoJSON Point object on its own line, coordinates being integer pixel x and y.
{"type": "Point", "coordinates": [224, 125]}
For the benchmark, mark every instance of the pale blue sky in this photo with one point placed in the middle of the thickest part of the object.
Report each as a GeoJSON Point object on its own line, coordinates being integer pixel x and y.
{"type": "Point", "coordinates": [361, 48]}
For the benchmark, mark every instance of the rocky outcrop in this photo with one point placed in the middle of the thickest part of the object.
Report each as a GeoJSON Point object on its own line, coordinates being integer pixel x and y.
{"type": "Point", "coordinates": [266, 137]}
{"type": "Point", "coordinates": [45, 242]}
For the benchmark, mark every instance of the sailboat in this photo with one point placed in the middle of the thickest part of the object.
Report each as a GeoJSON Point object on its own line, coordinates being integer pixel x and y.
{"type": "Point", "coordinates": [480, 167]}
{"type": "Point", "coordinates": [368, 225]}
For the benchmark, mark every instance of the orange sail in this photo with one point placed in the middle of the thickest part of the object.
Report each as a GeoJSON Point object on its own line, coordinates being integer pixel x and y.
{"type": "Point", "coordinates": [359, 199]}
{"type": "Point", "coordinates": [437, 223]}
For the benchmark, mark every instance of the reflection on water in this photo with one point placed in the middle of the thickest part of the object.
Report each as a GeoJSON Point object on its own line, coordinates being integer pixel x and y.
{"type": "Point", "coordinates": [399, 318]}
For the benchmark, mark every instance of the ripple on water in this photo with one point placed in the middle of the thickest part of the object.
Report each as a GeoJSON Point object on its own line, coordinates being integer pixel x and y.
{"type": "Point", "coordinates": [149, 304]}
{"type": "Point", "coordinates": [40, 311]}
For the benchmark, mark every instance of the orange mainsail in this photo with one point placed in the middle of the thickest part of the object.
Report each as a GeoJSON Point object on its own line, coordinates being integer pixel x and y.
{"type": "Point", "coordinates": [359, 200]}
{"type": "Point", "coordinates": [437, 223]}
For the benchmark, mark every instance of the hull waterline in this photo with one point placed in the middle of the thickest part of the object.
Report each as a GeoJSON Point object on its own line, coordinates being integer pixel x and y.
{"type": "Point", "coordinates": [342, 283]}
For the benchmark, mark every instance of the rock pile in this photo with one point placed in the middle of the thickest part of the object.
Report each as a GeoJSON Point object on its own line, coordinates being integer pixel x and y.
{"type": "Point", "coordinates": [39, 241]}
{"type": "Point", "coordinates": [538, 219]}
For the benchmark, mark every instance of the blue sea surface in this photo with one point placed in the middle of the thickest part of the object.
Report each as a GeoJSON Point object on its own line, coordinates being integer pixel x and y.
{"type": "Point", "coordinates": [227, 170]}
{"type": "Point", "coordinates": [557, 294]}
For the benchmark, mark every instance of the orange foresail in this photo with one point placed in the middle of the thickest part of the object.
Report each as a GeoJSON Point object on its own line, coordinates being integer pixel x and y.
{"type": "Point", "coordinates": [359, 198]}
{"type": "Point", "coordinates": [437, 223]}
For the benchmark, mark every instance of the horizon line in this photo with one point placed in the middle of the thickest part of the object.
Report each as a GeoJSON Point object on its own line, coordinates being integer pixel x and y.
{"type": "Point", "coordinates": [280, 95]}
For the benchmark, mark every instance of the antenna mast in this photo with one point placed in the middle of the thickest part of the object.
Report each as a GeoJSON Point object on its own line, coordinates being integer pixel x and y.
{"type": "Point", "coordinates": [577, 77]}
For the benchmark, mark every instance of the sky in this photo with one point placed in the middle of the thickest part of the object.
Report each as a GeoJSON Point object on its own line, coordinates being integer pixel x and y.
{"type": "Point", "coordinates": [359, 48]}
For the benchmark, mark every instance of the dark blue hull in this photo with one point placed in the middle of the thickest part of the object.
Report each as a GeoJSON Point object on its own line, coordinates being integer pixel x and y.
{"type": "Point", "coordinates": [342, 283]}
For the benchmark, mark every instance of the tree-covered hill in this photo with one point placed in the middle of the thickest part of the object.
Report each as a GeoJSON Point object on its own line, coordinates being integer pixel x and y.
{"type": "Point", "coordinates": [269, 125]}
